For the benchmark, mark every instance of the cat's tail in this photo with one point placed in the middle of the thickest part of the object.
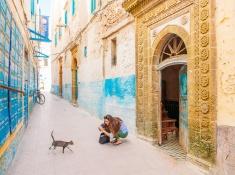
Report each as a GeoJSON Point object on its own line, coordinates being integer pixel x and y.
{"type": "Point", "coordinates": [52, 135]}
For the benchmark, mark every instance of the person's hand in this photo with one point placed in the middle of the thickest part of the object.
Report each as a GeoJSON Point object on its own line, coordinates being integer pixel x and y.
{"type": "Point", "coordinates": [101, 129]}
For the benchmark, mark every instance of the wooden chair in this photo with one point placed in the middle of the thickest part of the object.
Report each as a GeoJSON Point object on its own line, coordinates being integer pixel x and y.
{"type": "Point", "coordinates": [168, 124]}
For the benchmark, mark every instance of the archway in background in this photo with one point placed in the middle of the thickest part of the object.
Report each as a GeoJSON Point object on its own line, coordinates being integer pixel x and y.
{"type": "Point", "coordinates": [60, 78]}
{"type": "Point", "coordinates": [74, 69]}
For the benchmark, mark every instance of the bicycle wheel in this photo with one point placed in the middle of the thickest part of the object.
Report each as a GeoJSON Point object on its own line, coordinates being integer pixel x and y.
{"type": "Point", "coordinates": [40, 99]}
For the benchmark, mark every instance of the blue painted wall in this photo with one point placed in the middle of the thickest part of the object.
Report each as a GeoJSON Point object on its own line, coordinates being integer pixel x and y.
{"type": "Point", "coordinates": [8, 156]}
{"type": "Point", "coordinates": [66, 92]}
{"type": "Point", "coordinates": [91, 97]}
{"type": "Point", "coordinates": [55, 89]}
{"type": "Point", "coordinates": [115, 96]}
{"type": "Point", "coordinates": [120, 99]}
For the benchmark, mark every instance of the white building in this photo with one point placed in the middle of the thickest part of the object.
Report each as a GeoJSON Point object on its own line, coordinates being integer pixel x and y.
{"type": "Point", "coordinates": [93, 63]}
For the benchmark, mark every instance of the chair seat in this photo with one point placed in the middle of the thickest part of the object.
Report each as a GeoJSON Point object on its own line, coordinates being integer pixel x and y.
{"type": "Point", "coordinates": [168, 126]}
{"type": "Point", "coordinates": [168, 120]}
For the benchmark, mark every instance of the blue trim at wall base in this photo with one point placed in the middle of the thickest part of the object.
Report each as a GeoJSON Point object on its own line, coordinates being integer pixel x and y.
{"type": "Point", "coordinates": [115, 96]}
{"type": "Point", "coordinates": [7, 158]}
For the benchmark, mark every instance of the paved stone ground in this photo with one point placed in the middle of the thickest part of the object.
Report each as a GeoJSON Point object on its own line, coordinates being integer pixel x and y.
{"type": "Point", "coordinates": [134, 157]}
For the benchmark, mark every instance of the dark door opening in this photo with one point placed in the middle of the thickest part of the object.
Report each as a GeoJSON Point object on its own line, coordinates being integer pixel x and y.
{"type": "Point", "coordinates": [174, 104]}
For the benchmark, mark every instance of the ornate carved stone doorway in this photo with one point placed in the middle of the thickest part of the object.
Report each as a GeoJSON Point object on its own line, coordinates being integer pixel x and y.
{"type": "Point", "coordinates": [200, 44]}
{"type": "Point", "coordinates": [171, 69]}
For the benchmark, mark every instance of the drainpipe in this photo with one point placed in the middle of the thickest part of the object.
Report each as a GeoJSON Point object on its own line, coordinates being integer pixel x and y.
{"type": "Point", "coordinates": [9, 78]}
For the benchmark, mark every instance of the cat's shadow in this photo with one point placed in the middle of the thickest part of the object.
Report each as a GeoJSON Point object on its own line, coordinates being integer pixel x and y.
{"type": "Point", "coordinates": [59, 151]}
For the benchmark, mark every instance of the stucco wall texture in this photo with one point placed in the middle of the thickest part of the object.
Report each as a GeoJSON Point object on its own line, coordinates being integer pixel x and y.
{"type": "Point", "coordinates": [225, 38]}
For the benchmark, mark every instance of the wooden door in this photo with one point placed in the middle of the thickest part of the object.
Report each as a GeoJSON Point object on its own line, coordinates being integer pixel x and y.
{"type": "Point", "coordinates": [60, 80]}
{"type": "Point", "coordinates": [183, 111]}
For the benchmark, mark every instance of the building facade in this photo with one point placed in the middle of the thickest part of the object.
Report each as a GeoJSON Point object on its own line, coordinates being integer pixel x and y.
{"type": "Point", "coordinates": [190, 34]}
{"type": "Point", "coordinates": [18, 74]}
{"type": "Point", "coordinates": [94, 57]}
{"type": "Point", "coordinates": [139, 59]}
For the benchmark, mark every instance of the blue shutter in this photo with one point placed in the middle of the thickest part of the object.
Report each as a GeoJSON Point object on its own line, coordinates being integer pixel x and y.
{"type": "Point", "coordinates": [73, 7]}
{"type": "Point", "coordinates": [32, 7]}
{"type": "Point", "coordinates": [93, 6]}
{"type": "Point", "coordinates": [65, 18]}
{"type": "Point", "coordinates": [94, 1]}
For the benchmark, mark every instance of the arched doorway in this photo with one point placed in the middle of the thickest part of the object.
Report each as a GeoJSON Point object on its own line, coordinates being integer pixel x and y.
{"type": "Point", "coordinates": [60, 78]}
{"type": "Point", "coordinates": [74, 69]}
{"type": "Point", "coordinates": [172, 68]}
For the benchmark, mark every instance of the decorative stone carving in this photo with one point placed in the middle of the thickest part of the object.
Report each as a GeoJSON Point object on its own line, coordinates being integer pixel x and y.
{"type": "Point", "coordinates": [112, 14]}
{"type": "Point", "coordinates": [196, 65]}
{"type": "Point", "coordinates": [204, 41]}
{"type": "Point", "coordinates": [204, 14]}
{"type": "Point", "coordinates": [204, 68]}
{"type": "Point", "coordinates": [204, 81]}
{"type": "Point", "coordinates": [204, 54]}
{"type": "Point", "coordinates": [140, 84]}
{"type": "Point", "coordinates": [204, 108]}
{"type": "Point", "coordinates": [204, 27]}
{"type": "Point", "coordinates": [201, 144]}
{"type": "Point", "coordinates": [204, 3]}
{"type": "Point", "coordinates": [140, 67]}
{"type": "Point", "coordinates": [204, 94]}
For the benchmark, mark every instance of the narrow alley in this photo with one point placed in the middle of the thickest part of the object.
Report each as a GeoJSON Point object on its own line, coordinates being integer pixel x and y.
{"type": "Point", "coordinates": [162, 69]}
{"type": "Point", "coordinates": [133, 157]}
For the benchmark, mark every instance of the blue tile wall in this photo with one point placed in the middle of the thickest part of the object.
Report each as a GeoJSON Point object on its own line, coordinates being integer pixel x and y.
{"type": "Point", "coordinates": [8, 156]}
{"type": "Point", "coordinates": [11, 75]}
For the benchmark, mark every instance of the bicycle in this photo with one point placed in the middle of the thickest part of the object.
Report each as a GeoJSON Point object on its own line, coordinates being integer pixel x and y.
{"type": "Point", "coordinates": [40, 98]}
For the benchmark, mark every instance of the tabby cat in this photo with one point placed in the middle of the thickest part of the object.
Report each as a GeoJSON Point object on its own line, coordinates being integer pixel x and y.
{"type": "Point", "coordinates": [59, 143]}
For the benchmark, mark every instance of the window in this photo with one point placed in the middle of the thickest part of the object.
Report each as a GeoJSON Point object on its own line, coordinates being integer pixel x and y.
{"type": "Point", "coordinates": [114, 51]}
{"type": "Point", "coordinates": [93, 6]}
{"type": "Point", "coordinates": [85, 51]}
{"type": "Point", "coordinates": [60, 30]}
{"type": "Point", "coordinates": [66, 17]}
{"type": "Point", "coordinates": [173, 47]}
{"type": "Point", "coordinates": [73, 7]}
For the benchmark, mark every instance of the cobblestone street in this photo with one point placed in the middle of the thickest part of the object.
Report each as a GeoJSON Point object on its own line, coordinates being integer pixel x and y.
{"type": "Point", "coordinates": [133, 157]}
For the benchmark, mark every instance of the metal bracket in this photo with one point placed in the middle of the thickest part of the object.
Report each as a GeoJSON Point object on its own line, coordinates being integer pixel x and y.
{"type": "Point", "coordinates": [40, 55]}
{"type": "Point", "coordinates": [38, 37]}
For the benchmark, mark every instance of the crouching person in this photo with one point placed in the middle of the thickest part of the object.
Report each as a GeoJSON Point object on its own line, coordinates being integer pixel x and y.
{"type": "Point", "coordinates": [104, 127]}
{"type": "Point", "coordinates": [116, 129]}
